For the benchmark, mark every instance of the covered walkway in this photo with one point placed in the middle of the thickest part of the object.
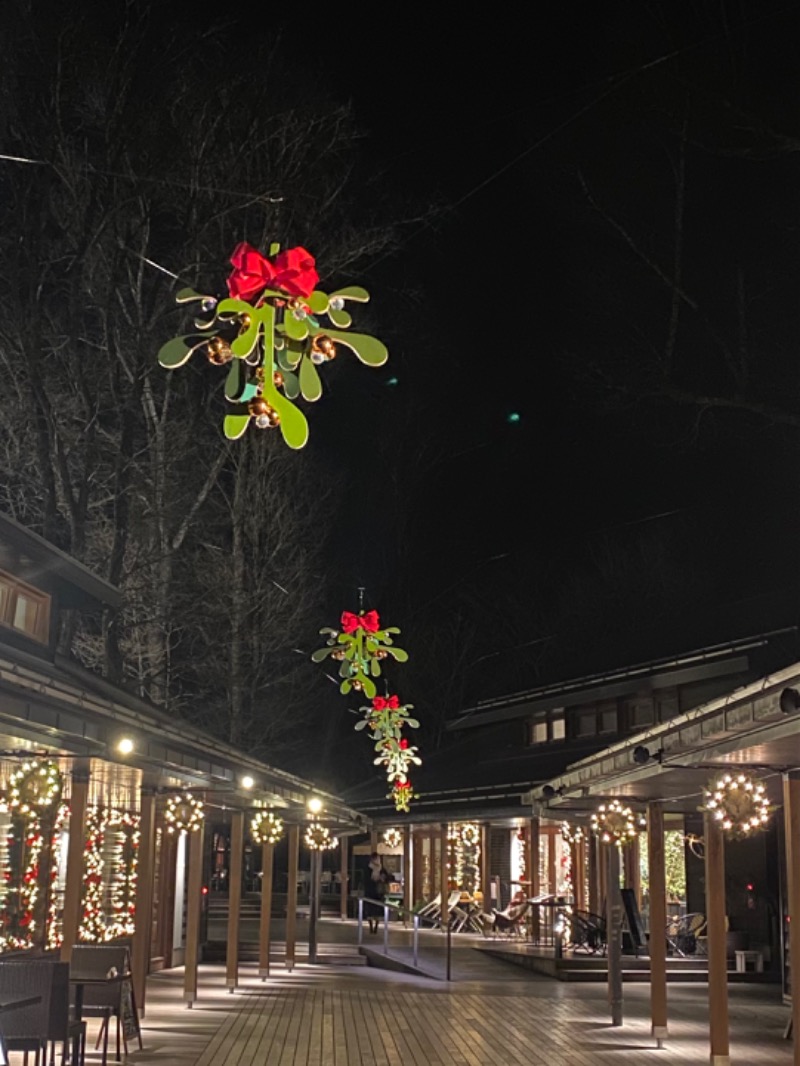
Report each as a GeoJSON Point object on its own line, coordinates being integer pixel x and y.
{"type": "Point", "coordinates": [493, 1014]}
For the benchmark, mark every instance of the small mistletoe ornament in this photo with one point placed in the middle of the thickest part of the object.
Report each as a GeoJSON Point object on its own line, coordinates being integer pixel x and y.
{"type": "Point", "coordinates": [270, 330]}
{"type": "Point", "coordinates": [360, 645]}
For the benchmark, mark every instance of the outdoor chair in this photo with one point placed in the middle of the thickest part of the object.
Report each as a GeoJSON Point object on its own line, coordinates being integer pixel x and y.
{"type": "Point", "coordinates": [431, 910]}
{"type": "Point", "coordinates": [98, 960]}
{"type": "Point", "coordinates": [509, 922]}
{"type": "Point", "coordinates": [683, 931]}
{"type": "Point", "coordinates": [26, 1030]}
{"type": "Point", "coordinates": [586, 932]}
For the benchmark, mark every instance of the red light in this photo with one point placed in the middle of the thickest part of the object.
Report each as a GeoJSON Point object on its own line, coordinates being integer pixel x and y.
{"type": "Point", "coordinates": [205, 890]}
{"type": "Point", "coordinates": [749, 888]}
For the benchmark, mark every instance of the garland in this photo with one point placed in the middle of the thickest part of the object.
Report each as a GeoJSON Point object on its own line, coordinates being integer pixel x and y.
{"type": "Point", "coordinates": [360, 645]}
{"type": "Point", "coordinates": [393, 838]}
{"type": "Point", "coordinates": [318, 837]}
{"type": "Point", "coordinates": [269, 330]}
{"type": "Point", "coordinates": [266, 827]}
{"type": "Point", "coordinates": [183, 812]}
{"type": "Point", "coordinates": [615, 824]}
{"type": "Point", "coordinates": [739, 803]}
{"type": "Point", "coordinates": [571, 834]}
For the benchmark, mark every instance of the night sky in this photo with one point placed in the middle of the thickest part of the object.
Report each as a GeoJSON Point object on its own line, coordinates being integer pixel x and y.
{"type": "Point", "coordinates": [583, 451]}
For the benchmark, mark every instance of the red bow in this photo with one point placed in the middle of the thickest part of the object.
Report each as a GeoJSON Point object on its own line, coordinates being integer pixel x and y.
{"type": "Point", "coordinates": [292, 272]}
{"type": "Point", "coordinates": [403, 744]}
{"type": "Point", "coordinates": [370, 622]}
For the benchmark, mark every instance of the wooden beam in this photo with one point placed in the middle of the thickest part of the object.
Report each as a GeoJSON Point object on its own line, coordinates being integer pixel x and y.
{"type": "Point", "coordinates": [267, 856]}
{"type": "Point", "coordinates": [344, 873]}
{"type": "Point", "coordinates": [658, 922]}
{"type": "Point", "coordinates": [234, 899]}
{"type": "Point", "coordinates": [791, 814]}
{"type": "Point", "coordinates": [194, 906]}
{"type": "Point", "coordinates": [291, 895]}
{"type": "Point", "coordinates": [717, 935]}
{"type": "Point", "coordinates": [145, 869]}
{"type": "Point", "coordinates": [73, 888]}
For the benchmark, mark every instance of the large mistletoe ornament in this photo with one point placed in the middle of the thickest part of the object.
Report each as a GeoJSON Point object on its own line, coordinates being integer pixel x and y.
{"type": "Point", "coordinates": [386, 718]}
{"type": "Point", "coordinates": [360, 645]}
{"type": "Point", "coordinates": [270, 331]}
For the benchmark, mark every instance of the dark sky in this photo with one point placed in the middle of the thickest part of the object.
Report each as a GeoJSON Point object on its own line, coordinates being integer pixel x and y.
{"type": "Point", "coordinates": [618, 519]}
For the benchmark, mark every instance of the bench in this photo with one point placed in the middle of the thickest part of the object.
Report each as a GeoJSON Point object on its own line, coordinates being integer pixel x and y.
{"type": "Point", "coordinates": [743, 957]}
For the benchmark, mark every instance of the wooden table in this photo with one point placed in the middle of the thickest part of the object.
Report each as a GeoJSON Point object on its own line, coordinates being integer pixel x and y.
{"type": "Point", "coordinates": [8, 1005]}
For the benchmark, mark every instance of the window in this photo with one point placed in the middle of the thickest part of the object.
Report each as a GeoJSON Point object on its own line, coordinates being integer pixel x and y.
{"type": "Point", "coordinates": [24, 609]}
{"type": "Point", "coordinates": [546, 726]}
{"type": "Point", "coordinates": [593, 721]}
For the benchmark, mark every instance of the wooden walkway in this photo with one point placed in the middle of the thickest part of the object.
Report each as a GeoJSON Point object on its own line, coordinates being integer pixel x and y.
{"type": "Point", "coordinates": [347, 1016]}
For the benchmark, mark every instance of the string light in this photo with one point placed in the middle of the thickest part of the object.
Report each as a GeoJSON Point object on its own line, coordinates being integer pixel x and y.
{"type": "Point", "coordinates": [571, 834]}
{"type": "Point", "coordinates": [739, 804]}
{"type": "Point", "coordinates": [393, 838]}
{"type": "Point", "coordinates": [34, 787]}
{"type": "Point", "coordinates": [266, 827]}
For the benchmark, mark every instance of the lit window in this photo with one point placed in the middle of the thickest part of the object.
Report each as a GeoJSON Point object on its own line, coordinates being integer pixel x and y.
{"type": "Point", "coordinates": [24, 609]}
{"type": "Point", "coordinates": [547, 726]}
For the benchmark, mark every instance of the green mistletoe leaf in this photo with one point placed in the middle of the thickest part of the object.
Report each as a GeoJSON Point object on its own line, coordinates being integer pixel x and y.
{"type": "Point", "coordinates": [185, 296]}
{"type": "Point", "coordinates": [375, 668]}
{"type": "Point", "coordinates": [320, 654]}
{"type": "Point", "coordinates": [295, 328]}
{"type": "Point", "coordinates": [412, 722]}
{"type": "Point", "coordinates": [179, 350]}
{"type": "Point", "coordinates": [339, 318]}
{"type": "Point", "coordinates": [369, 350]}
{"type": "Point", "coordinates": [398, 654]}
{"type": "Point", "coordinates": [345, 687]}
{"type": "Point", "coordinates": [369, 686]}
{"type": "Point", "coordinates": [293, 424]}
{"type": "Point", "coordinates": [359, 726]}
{"type": "Point", "coordinates": [310, 382]}
{"type": "Point", "coordinates": [352, 292]}
{"type": "Point", "coordinates": [291, 386]}
{"type": "Point", "coordinates": [235, 425]}
{"type": "Point", "coordinates": [236, 382]}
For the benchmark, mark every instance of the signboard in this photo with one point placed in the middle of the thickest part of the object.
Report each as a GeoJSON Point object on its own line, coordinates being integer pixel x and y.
{"type": "Point", "coordinates": [129, 1016]}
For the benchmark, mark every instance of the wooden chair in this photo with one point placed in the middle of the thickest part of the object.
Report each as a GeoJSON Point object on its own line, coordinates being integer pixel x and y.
{"type": "Point", "coordinates": [26, 1030]}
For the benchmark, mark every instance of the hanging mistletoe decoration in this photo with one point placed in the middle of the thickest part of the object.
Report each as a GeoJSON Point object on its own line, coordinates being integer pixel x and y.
{"type": "Point", "coordinates": [386, 718]}
{"type": "Point", "coordinates": [270, 330]}
{"type": "Point", "coordinates": [402, 793]}
{"type": "Point", "coordinates": [739, 804]}
{"type": "Point", "coordinates": [360, 645]}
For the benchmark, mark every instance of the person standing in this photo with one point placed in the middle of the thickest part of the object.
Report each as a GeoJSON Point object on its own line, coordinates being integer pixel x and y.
{"type": "Point", "coordinates": [375, 888]}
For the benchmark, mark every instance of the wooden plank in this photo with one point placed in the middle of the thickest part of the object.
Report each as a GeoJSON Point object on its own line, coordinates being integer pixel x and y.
{"type": "Point", "coordinates": [78, 801]}
{"type": "Point", "coordinates": [193, 909]}
{"type": "Point", "coordinates": [145, 868]}
{"type": "Point", "coordinates": [234, 899]}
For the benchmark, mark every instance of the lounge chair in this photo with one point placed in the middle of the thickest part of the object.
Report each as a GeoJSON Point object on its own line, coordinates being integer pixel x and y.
{"type": "Point", "coordinates": [585, 932]}
{"type": "Point", "coordinates": [683, 931]}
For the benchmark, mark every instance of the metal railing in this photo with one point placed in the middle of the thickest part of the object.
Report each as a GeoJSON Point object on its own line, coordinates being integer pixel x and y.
{"type": "Point", "coordinates": [405, 914]}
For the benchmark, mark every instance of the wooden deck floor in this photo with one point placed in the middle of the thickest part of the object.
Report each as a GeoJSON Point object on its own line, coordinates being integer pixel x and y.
{"type": "Point", "coordinates": [346, 1016]}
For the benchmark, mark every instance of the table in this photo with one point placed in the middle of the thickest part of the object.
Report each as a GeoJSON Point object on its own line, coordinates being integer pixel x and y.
{"type": "Point", "coordinates": [78, 983]}
{"type": "Point", "coordinates": [8, 1005]}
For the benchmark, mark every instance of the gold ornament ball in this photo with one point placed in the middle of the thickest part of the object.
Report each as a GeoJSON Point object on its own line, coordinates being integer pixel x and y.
{"type": "Point", "coordinates": [277, 379]}
{"type": "Point", "coordinates": [218, 351]}
{"type": "Point", "coordinates": [324, 345]}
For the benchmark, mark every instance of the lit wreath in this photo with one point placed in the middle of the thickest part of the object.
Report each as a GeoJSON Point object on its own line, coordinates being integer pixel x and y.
{"type": "Point", "coordinates": [739, 803]}
{"type": "Point", "coordinates": [615, 824]}
{"type": "Point", "coordinates": [266, 827]}
{"type": "Point", "coordinates": [470, 834]}
{"type": "Point", "coordinates": [35, 787]}
{"type": "Point", "coordinates": [571, 834]}
{"type": "Point", "coordinates": [183, 812]}
{"type": "Point", "coordinates": [318, 837]}
{"type": "Point", "coordinates": [393, 838]}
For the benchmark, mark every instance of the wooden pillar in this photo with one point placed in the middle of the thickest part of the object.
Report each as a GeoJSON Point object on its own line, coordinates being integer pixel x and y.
{"type": "Point", "coordinates": [486, 887]}
{"type": "Point", "coordinates": [444, 882]}
{"type": "Point", "coordinates": [267, 855]}
{"type": "Point", "coordinates": [194, 904]}
{"type": "Point", "coordinates": [291, 894]}
{"type": "Point", "coordinates": [552, 879]}
{"type": "Point", "coordinates": [658, 921]}
{"type": "Point", "coordinates": [791, 814]}
{"type": "Point", "coordinates": [408, 869]}
{"type": "Point", "coordinates": [602, 866]}
{"type": "Point", "coordinates": [145, 868]}
{"type": "Point", "coordinates": [716, 933]}
{"type": "Point", "coordinates": [535, 844]}
{"type": "Point", "coordinates": [73, 888]}
{"type": "Point", "coordinates": [234, 899]}
{"type": "Point", "coordinates": [344, 873]}
{"type": "Point", "coordinates": [594, 874]}
{"type": "Point", "coordinates": [614, 928]}
{"type": "Point", "coordinates": [373, 840]}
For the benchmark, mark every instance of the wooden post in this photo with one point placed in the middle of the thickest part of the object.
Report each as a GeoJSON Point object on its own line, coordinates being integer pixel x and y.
{"type": "Point", "coordinates": [486, 886]}
{"type": "Point", "coordinates": [194, 905]}
{"type": "Point", "coordinates": [614, 933]}
{"type": "Point", "coordinates": [408, 871]}
{"type": "Point", "coordinates": [267, 854]}
{"type": "Point", "coordinates": [373, 840]}
{"type": "Point", "coordinates": [73, 888]}
{"type": "Point", "coordinates": [658, 922]}
{"type": "Point", "coordinates": [791, 814]}
{"type": "Point", "coordinates": [145, 867]}
{"type": "Point", "coordinates": [344, 873]}
{"type": "Point", "coordinates": [579, 874]}
{"type": "Point", "coordinates": [535, 844]}
{"type": "Point", "coordinates": [444, 880]}
{"type": "Point", "coordinates": [291, 895]}
{"type": "Point", "coordinates": [419, 891]}
{"type": "Point", "coordinates": [717, 952]}
{"type": "Point", "coordinates": [234, 899]}
{"type": "Point", "coordinates": [552, 878]}
{"type": "Point", "coordinates": [313, 903]}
